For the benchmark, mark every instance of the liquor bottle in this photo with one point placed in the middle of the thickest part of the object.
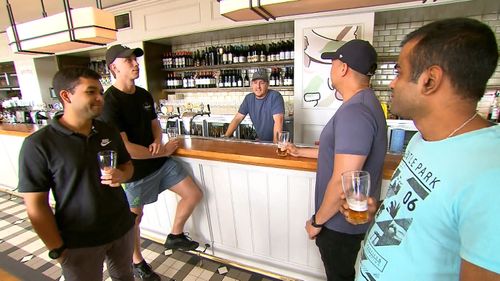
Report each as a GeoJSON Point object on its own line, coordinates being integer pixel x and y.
{"type": "Point", "coordinates": [239, 80]}
{"type": "Point", "coordinates": [234, 82]}
{"type": "Point", "coordinates": [277, 77]}
{"type": "Point", "coordinates": [272, 78]}
{"type": "Point", "coordinates": [246, 80]}
{"type": "Point", "coordinates": [229, 51]}
{"type": "Point", "coordinates": [165, 60]}
{"type": "Point", "coordinates": [185, 81]}
{"type": "Point", "coordinates": [289, 46]}
{"type": "Point", "coordinates": [494, 112]}
{"type": "Point", "coordinates": [236, 54]}
{"type": "Point", "coordinates": [243, 54]}
{"type": "Point", "coordinates": [221, 79]}
{"type": "Point", "coordinates": [263, 52]}
{"type": "Point", "coordinates": [282, 50]}
{"type": "Point", "coordinates": [223, 54]}
{"type": "Point", "coordinates": [227, 80]}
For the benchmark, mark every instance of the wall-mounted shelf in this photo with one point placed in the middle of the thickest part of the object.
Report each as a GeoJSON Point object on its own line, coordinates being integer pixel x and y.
{"type": "Point", "coordinates": [218, 90]}
{"type": "Point", "coordinates": [232, 66]}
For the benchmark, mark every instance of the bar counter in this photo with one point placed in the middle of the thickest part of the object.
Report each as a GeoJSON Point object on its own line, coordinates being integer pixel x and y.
{"type": "Point", "coordinates": [227, 150]}
{"type": "Point", "coordinates": [254, 206]}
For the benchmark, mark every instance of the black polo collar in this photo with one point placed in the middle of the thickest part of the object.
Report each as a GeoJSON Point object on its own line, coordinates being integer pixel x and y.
{"type": "Point", "coordinates": [62, 129]}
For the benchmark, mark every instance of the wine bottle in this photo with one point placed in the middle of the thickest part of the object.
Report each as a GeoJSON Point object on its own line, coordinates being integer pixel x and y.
{"type": "Point", "coordinates": [239, 79]}
{"type": "Point", "coordinates": [246, 80]}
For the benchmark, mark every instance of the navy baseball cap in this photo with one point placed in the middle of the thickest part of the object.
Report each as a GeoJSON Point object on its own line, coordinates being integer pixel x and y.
{"type": "Point", "coordinates": [119, 51]}
{"type": "Point", "coordinates": [357, 54]}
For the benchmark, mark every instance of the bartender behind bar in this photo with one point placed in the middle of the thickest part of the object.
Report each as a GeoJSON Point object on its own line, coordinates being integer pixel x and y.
{"type": "Point", "coordinates": [266, 108]}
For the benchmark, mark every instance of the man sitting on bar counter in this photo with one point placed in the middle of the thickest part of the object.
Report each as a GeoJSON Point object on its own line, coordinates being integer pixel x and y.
{"type": "Point", "coordinates": [266, 108]}
{"type": "Point", "coordinates": [355, 138]}
{"type": "Point", "coordinates": [131, 109]}
{"type": "Point", "coordinates": [438, 221]}
{"type": "Point", "coordinates": [92, 222]}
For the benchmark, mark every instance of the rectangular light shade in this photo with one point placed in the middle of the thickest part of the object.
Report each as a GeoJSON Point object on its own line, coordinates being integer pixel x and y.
{"type": "Point", "coordinates": [50, 34]}
{"type": "Point", "coordinates": [240, 10]}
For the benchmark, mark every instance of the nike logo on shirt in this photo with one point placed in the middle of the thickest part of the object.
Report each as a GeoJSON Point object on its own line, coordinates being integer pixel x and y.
{"type": "Point", "coordinates": [105, 142]}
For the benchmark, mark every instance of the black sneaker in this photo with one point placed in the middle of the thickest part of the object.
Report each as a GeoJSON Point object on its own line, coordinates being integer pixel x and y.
{"type": "Point", "coordinates": [144, 272]}
{"type": "Point", "coordinates": [180, 242]}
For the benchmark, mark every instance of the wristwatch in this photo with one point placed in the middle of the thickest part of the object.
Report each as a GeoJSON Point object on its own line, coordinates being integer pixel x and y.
{"type": "Point", "coordinates": [57, 252]}
{"type": "Point", "coordinates": [313, 222]}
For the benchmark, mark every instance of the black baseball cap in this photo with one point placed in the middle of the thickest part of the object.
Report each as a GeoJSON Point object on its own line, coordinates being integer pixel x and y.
{"type": "Point", "coordinates": [119, 51]}
{"type": "Point", "coordinates": [357, 54]}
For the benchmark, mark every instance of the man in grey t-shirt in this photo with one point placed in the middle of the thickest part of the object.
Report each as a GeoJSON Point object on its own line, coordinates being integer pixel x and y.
{"type": "Point", "coordinates": [355, 138]}
{"type": "Point", "coordinates": [266, 108]}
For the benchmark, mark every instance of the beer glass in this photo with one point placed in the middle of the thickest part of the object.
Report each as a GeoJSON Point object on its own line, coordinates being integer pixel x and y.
{"type": "Point", "coordinates": [356, 186]}
{"type": "Point", "coordinates": [172, 133]}
{"type": "Point", "coordinates": [283, 138]}
{"type": "Point", "coordinates": [107, 160]}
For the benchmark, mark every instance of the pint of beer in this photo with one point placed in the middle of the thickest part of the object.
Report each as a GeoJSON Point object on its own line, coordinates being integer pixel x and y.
{"type": "Point", "coordinates": [356, 185]}
{"type": "Point", "coordinates": [283, 139]}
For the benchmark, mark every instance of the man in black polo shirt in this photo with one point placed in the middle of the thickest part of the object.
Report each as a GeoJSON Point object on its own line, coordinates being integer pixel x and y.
{"type": "Point", "coordinates": [92, 221]}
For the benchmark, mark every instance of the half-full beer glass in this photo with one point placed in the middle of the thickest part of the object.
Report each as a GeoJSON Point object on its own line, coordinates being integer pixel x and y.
{"type": "Point", "coordinates": [356, 185]}
{"type": "Point", "coordinates": [283, 138]}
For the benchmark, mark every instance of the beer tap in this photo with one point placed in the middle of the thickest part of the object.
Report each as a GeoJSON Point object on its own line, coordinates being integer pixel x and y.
{"type": "Point", "coordinates": [188, 117]}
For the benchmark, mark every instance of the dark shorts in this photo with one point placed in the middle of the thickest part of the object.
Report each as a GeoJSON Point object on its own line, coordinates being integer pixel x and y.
{"type": "Point", "coordinates": [146, 190]}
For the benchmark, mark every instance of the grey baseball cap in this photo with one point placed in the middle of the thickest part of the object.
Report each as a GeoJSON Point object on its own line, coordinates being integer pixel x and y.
{"type": "Point", "coordinates": [119, 51]}
{"type": "Point", "coordinates": [261, 74]}
{"type": "Point", "coordinates": [357, 54]}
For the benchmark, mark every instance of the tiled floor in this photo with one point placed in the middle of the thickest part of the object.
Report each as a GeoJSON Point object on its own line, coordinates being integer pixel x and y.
{"type": "Point", "coordinates": [20, 246]}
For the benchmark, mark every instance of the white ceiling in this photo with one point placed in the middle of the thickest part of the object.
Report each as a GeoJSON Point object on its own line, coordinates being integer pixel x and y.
{"type": "Point", "coordinates": [28, 10]}
{"type": "Point", "coordinates": [430, 13]}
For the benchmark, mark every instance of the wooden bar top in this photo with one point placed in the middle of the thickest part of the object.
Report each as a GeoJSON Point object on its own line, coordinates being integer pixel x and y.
{"type": "Point", "coordinates": [20, 130]}
{"type": "Point", "coordinates": [226, 150]}
{"type": "Point", "coordinates": [243, 152]}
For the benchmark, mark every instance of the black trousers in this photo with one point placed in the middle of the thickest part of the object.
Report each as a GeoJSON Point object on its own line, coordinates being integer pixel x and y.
{"type": "Point", "coordinates": [338, 252]}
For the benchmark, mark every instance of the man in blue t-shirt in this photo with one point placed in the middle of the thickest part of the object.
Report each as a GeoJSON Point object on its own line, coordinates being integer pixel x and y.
{"type": "Point", "coordinates": [266, 108]}
{"type": "Point", "coordinates": [438, 221]}
{"type": "Point", "coordinates": [355, 138]}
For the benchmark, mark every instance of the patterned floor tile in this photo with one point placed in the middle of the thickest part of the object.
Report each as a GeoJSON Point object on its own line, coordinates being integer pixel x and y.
{"type": "Point", "coordinates": [20, 243]}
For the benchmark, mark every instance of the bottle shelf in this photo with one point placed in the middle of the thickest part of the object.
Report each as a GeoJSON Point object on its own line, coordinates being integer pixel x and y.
{"type": "Point", "coordinates": [231, 66]}
{"type": "Point", "coordinates": [229, 89]}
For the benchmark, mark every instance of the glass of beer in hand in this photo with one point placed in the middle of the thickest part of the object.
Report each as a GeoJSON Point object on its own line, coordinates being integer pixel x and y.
{"type": "Point", "coordinates": [283, 139]}
{"type": "Point", "coordinates": [356, 186]}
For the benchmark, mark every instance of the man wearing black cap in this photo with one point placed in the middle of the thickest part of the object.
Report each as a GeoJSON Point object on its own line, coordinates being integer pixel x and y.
{"type": "Point", "coordinates": [266, 108]}
{"type": "Point", "coordinates": [355, 138]}
{"type": "Point", "coordinates": [131, 110]}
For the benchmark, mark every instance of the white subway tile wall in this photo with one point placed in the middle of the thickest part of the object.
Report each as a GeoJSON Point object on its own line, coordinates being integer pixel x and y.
{"type": "Point", "coordinates": [386, 40]}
